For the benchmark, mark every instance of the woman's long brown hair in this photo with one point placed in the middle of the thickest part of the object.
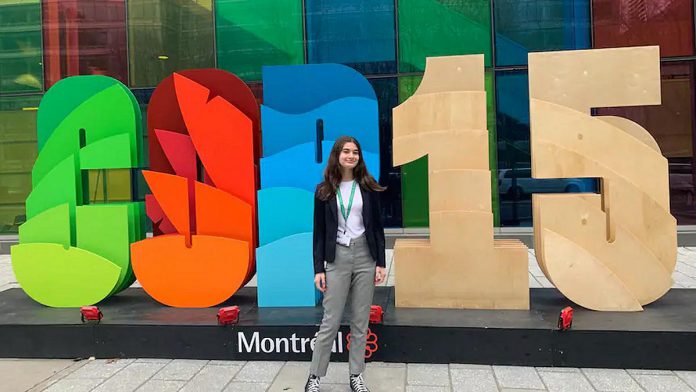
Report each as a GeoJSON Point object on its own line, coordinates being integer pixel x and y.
{"type": "Point", "coordinates": [333, 176]}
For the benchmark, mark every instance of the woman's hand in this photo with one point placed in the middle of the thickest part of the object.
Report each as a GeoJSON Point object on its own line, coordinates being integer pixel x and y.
{"type": "Point", "coordinates": [380, 274]}
{"type": "Point", "coordinates": [320, 281]}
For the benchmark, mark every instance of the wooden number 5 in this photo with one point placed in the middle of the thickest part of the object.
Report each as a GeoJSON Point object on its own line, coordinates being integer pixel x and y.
{"type": "Point", "coordinates": [615, 250]}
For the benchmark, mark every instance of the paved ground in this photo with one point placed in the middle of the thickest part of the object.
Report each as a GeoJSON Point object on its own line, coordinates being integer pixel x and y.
{"type": "Point", "coordinates": [203, 376]}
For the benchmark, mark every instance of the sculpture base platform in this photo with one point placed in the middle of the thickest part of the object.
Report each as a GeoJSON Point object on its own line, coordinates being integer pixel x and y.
{"type": "Point", "coordinates": [134, 325]}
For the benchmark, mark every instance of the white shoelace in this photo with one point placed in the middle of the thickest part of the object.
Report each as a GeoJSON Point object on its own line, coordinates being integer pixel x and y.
{"type": "Point", "coordinates": [357, 384]}
{"type": "Point", "coordinates": [312, 385]}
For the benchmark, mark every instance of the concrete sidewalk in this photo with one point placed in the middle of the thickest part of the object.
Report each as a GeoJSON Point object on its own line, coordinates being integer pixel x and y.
{"type": "Point", "coordinates": [153, 375]}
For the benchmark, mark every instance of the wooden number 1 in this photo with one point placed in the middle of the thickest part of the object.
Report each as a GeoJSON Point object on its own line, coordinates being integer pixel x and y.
{"type": "Point", "coordinates": [461, 265]}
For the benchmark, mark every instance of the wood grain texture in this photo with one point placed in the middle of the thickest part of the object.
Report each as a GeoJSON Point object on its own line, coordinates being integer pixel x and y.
{"type": "Point", "coordinates": [615, 250]}
{"type": "Point", "coordinates": [460, 266]}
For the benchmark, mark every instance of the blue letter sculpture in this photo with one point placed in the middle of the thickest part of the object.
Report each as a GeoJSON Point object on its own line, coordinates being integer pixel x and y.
{"type": "Point", "coordinates": [306, 108]}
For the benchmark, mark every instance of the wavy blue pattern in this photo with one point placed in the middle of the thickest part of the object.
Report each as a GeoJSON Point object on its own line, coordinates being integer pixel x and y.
{"type": "Point", "coordinates": [282, 130]}
{"type": "Point", "coordinates": [283, 212]}
{"type": "Point", "coordinates": [286, 273]}
{"type": "Point", "coordinates": [296, 167]}
{"type": "Point", "coordinates": [296, 97]}
{"type": "Point", "coordinates": [301, 88]}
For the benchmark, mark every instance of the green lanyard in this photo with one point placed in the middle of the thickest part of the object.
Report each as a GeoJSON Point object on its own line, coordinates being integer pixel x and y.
{"type": "Point", "coordinates": [350, 201]}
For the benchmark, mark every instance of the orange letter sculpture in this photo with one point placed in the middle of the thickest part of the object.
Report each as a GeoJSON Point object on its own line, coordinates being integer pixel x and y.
{"type": "Point", "coordinates": [615, 251]}
{"type": "Point", "coordinates": [460, 266]}
{"type": "Point", "coordinates": [203, 215]}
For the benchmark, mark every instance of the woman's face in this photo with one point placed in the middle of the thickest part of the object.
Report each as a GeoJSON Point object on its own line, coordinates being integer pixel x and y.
{"type": "Point", "coordinates": [349, 156]}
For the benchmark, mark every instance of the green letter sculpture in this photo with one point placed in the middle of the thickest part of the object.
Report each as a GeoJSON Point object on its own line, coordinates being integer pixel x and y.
{"type": "Point", "coordinates": [71, 253]}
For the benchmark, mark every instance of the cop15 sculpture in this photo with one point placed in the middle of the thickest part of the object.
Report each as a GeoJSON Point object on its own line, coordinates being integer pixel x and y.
{"type": "Point", "coordinates": [219, 190]}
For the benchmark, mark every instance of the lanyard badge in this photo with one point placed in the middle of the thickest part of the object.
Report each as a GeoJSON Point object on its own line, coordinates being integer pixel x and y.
{"type": "Point", "coordinates": [345, 213]}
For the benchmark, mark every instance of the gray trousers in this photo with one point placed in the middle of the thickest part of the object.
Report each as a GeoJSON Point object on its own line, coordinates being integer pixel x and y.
{"type": "Point", "coordinates": [352, 273]}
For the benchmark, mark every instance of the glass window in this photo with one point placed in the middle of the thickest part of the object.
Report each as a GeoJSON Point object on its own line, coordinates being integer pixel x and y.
{"type": "Point", "coordinates": [668, 23]}
{"type": "Point", "coordinates": [672, 124]}
{"type": "Point", "coordinates": [20, 47]}
{"type": "Point", "coordinates": [108, 185]}
{"type": "Point", "coordinates": [386, 90]}
{"type": "Point", "coordinates": [141, 189]}
{"type": "Point", "coordinates": [17, 155]}
{"type": "Point", "coordinates": [359, 34]}
{"type": "Point", "coordinates": [143, 97]}
{"type": "Point", "coordinates": [515, 185]}
{"type": "Point", "coordinates": [512, 93]}
{"type": "Point", "coordinates": [414, 175]}
{"type": "Point", "coordinates": [84, 38]}
{"type": "Point", "coordinates": [257, 90]}
{"type": "Point", "coordinates": [167, 36]}
{"type": "Point", "coordinates": [522, 26]}
{"type": "Point", "coordinates": [442, 28]}
{"type": "Point", "coordinates": [492, 142]}
{"type": "Point", "coordinates": [253, 33]}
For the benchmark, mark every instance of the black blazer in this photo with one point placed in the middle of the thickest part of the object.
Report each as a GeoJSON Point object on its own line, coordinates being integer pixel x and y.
{"type": "Point", "coordinates": [326, 228]}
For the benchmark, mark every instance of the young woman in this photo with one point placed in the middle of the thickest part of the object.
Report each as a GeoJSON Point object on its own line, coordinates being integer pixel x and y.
{"type": "Point", "coordinates": [348, 256]}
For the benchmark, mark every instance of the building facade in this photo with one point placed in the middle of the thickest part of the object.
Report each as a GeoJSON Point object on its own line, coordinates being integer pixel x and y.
{"type": "Point", "coordinates": [140, 42]}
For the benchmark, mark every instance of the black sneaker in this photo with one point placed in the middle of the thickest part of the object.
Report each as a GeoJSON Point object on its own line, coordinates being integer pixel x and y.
{"type": "Point", "coordinates": [312, 384]}
{"type": "Point", "coordinates": [357, 383]}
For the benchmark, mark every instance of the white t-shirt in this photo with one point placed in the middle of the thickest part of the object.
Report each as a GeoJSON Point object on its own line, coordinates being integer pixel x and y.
{"type": "Point", "coordinates": [355, 226]}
